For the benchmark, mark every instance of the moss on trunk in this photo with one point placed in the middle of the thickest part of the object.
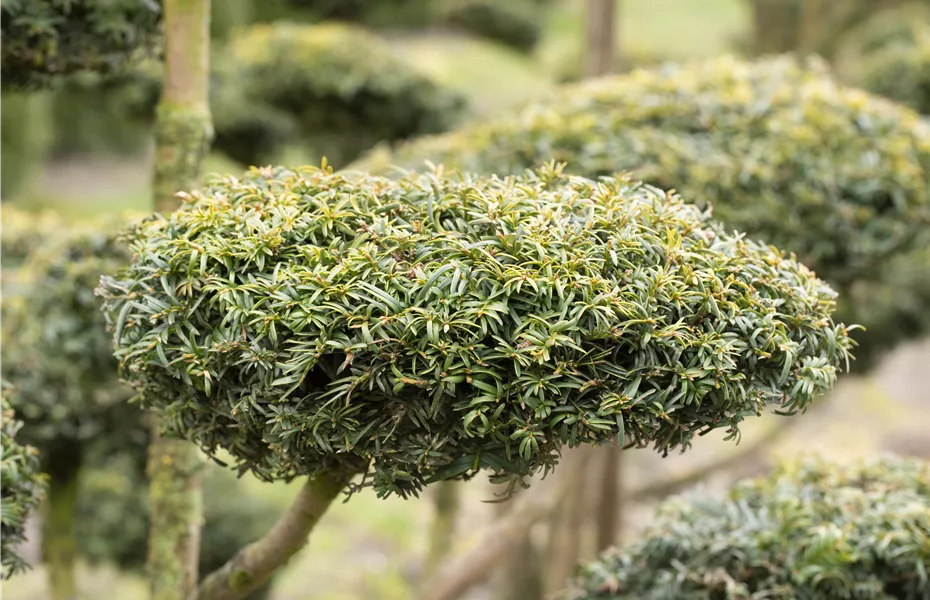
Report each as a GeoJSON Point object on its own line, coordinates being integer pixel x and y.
{"type": "Point", "coordinates": [59, 546]}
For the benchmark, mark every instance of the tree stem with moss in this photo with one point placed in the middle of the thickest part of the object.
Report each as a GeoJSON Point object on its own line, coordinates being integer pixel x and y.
{"type": "Point", "coordinates": [182, 136]}
{"type": "Point", "coordinates": [59, 546]}
{"type": "Point", "coordinates": [446, 503]}
{"type": "Point", "coordinates": [254, 564]}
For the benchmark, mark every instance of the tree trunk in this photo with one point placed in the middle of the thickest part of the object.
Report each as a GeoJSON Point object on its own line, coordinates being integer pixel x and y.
{"type": "Point", "coordinates": [600, 57]}
{"type": "Point", "coordinates": [810, 30]}
{"type": "Point", "coordinates": [566, 533]}
{"type": "Point", "coordinates": [520, 575]}
{"type": "Point", "coordinates": [182, 137]}
{"type": "Point", "coordinates": [775, 25]}
{"type": "Point", "coordinates": [446, 503]}
{"type": "Point", "coordinates": [609, 510]}
{"type": "Point", "coordinates": [59, 546]}
{"type": "Point", "coordinates": [253, 565]}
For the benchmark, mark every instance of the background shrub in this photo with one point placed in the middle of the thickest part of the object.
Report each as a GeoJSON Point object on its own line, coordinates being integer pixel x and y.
{"type": "Point", "coordinates": [112, 523]}
{"type": "Point", "coordinates": [342, 86]}
{"type": "Point", "coordinates": [810, 530]}
{"type": "Point", "coordinates": [425, 329]}
{"type": "Point", "coordinates": [514, 23]}
{"type": "Point", "coordinates": [778, 149]}
{"type": "Point", "coordinates": [21, 488]}
{"type": "Point", "coordinates": [46, 39]}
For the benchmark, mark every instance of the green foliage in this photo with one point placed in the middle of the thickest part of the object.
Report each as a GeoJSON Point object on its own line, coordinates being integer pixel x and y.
{"type": "Point", "coordinates": [55, 349]}
{"type": "Point", "coordinates": [422, 330]}
{"type": "Point", "coordinates": [778, 149]}
{"type": "Point", "coordinates": [21, 488]}
{"type": "Point", "coordinates": [342, 88]}
{"type": "Point", "coordinates": [113, 515]}
{"type": "Point", "coordinates": [514, 23]}
{"type": "Point", "coordinates": [26, 233]}
{"type": "Point", "coordinates": [47, 39]}
{"type": "Point", "coordinates": [809, 531]}
{"type": "Point", "coordinates": [891, 56]}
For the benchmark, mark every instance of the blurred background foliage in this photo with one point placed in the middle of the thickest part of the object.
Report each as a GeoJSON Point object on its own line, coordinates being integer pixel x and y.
{"type": "Point", "coordinates": [382, 71]}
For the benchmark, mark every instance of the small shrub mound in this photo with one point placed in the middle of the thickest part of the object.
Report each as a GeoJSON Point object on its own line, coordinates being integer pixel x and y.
{"type": "Point", "coordinates": [890, 55]}
{"type": "Point", "coordinates": [809, 531]}
{"type": "Point", "coordinates": [47, 39]}
{"type": "Point", "coordinates": [777, 148]}
{"type": "Point", "coordinates": [55, 349]}
{"type": "Point", "coordinates": [514, 23]}
{"type": "Point", "coordinates": [425, 329]}
{"type": "Point", "coordinates": [112, 524]}
{"type": "Point", "coordinates": [343, 87]}
{"type": "Point", "coordinates": [21, 488]}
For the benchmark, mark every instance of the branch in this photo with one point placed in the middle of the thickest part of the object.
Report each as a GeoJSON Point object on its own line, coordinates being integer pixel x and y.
{"type": "Point", "coordinates": [472, 567]}
{"type": "Point", "coordinates": [254, 564]}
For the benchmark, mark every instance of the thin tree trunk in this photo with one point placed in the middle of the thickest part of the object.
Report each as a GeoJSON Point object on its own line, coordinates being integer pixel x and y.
{"type": "Point", "coordinates": [609, 510]}
{"type": "Point", "coordinates": [446, 503]}
{"type": "Point", "coordinates": [600, 57]}
{"type": "Point", "coordinates": [520, 574]}
{"type": "Point", "coordinates": [775, 25]}
{"type": "Point", "coordinates": [254, 564]}
{"type": "Point", "coordinates": [810, 30]}
{"type": "Point", "coordinates": [566, 532]}
{"type": "Point", "coordinates": [59, 546]}
{"type": "Point", "coordinates": [182, 136]}
{"type": "Point", "coordinates": [462, 572]}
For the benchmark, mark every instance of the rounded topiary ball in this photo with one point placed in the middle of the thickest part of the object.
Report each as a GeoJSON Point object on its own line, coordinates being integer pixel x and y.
{"type": "Point", "coordinates": [810, 531]}
{"type": "Point", "coordinates": [21, 488]}
{"type": "Point", "coordinates": [425, 329]}
{"type": "Point", "coordinates": [48, 39]}
{"type": "Point", "coordinates": [778, 149]}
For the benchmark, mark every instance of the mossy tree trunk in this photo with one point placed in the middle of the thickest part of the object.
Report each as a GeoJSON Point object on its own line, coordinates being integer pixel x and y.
{"type": "Point", "coordinates": [59, 546]}
{"type": "Point", "coordinates": [609, 510]}
{"type": "Point", "coordinates": [600, 37]}
{"type": "Point", "coordinates": [446, 502]}
{"type": "Point", "coordinates": [182, 136]}
{"type": "Point", "coordinates": [520, 574]}
{"type": "Point", "coordinates": [775, 25]}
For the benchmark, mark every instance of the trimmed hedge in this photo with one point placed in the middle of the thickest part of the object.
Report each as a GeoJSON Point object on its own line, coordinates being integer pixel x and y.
{"type": "Point", "coordinates": [21, 488]}
{"type": "Point", "coordinates": [55, 349]}
{"type": "Point", "coordinates": [890, 55]}
{"type": "Point", "coordinates": [514, 23]}
{"type": "Point", "coordinates": [342, 87]}
{"type": "Point", "coordinates": [48, 39]}
{"type": "Point", "coordinates": [778, 149]}
{"type": "Point", "coordinates": [810, 531]}
{"type": "Point", "coordinates": [426, 329]}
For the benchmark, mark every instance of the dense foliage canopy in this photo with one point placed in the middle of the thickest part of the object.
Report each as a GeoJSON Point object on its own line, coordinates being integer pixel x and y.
{"type": "Point", "coordinates": [55, 348]}
{"type": "Point", "coordinates": [21, 488]}
{"type": "Point", "coordinates": [810, 531]}
{"type": "Point", "coordinates": [778, 149]}
{"type": "Point", "coordinates": [46, 39]}
{"type": "Point", "coordinates": [428, 328]}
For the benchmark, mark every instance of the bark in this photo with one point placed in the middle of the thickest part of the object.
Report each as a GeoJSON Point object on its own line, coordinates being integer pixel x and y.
{"type": "Point", "coordinates": [609, 509]}
{"type": "Point", "coordinates": [59, 546]}
{"type": "Point", "coordinates": [600, 57]}
{"type": "Point", "coordinates": [811, 26]}
{"type": "Point", "coordinates": [462, 572]}
{"type": "Point", "coordinates": [446, 503]}
{"type": "Point", "coordinates": [254, 564]}
{"type": "Point", "coordinates": [182, 136]}
{"type": "Point", "coordinates": [775, 24]}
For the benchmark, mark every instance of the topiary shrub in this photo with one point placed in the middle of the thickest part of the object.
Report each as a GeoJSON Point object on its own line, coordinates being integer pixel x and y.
{"type": "Point", "coordinates": [514, 23]}
{"type": "Point", "coordinates": [113, 516]}
{"type": "Point", "coordinates": [314, 324]}
{"type": "Point", "coordinates": [342, 86]}
{"type": "Point", "coordinates": [811, 530]}
{"type": "Point", "coordinates": [21, 488]}
{"type": "Point", "coordinates": [47, 39]}
{"type": "Point", "coordinates": [778, 149]}
{"type": "Point", "coordinates": [890, 55]}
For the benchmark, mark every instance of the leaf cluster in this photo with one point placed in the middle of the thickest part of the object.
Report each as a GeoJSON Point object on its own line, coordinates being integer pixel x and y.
{"type": "Point", "coordinates": [55, 349]}
{"type": "Point", "coordinates": [47, 39]}
{"type": "Point", "coordinates": [424, 329]}
{"type": "Point", "coordinates": [22, 487]}
{"type": "Point", "coordinates": [811, 530]}
{"type": "Point", "coordinates": [777, 148]}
